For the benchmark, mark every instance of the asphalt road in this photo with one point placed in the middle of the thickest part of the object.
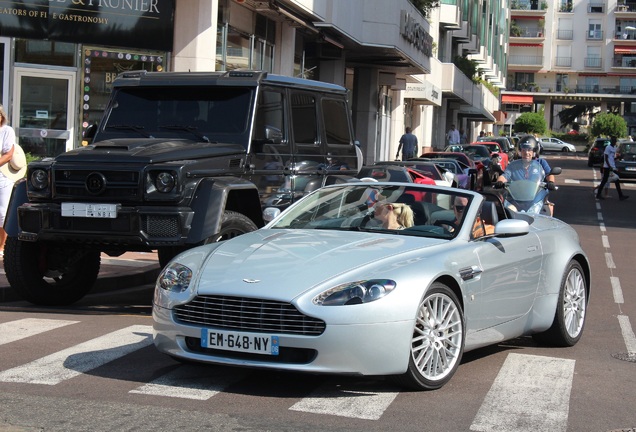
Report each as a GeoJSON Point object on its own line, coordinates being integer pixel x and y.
{"type": "Point", "coordinates": [93, 367]}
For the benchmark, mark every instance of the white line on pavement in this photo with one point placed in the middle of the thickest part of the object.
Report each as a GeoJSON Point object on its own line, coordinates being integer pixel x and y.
{"type": "Point", "coordinates": [616, 289]}
{"type": "Point", "coordinates": [530, 393]}
{"type": "Point", "coordinates": [15, 330]}
{"type": "Point", "coordinates": [81, 358]}
{"type": "Point", "coordinates": [628, 334]}
{"type": "Point", "coordinates": [346, 403]}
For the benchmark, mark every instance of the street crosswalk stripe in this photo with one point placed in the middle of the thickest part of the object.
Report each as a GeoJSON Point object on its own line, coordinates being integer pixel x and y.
{"type": "Point", "coordinates": [530, 393]}
{"type": "Point", "coordinates": [190, 382]}
{"type": "Point", "coordinates": [352, 403]}
{"type": "Point", "coordinates": [15, 330]}
{"type": "Point", "coordinates": [80, 358]}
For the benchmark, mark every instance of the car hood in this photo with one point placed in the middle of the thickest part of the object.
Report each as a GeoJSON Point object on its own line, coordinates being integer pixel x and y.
{"type": "Point", "coordinates": [149, 150]}
{"type": "Point", "coordinates": [282, 264]}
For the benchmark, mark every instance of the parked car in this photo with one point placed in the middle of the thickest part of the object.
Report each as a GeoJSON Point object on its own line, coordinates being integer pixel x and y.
{"type": "Point", "coordinates": [495, 148]}
{"type": "Point", "coordinates": [386, 173]}
{"type": "Point", "coordinates": [440, 175]}
{"type": "Point", "coordinates": [462, 172]}
{"type": "Point", "coordinates": [555, 144]}
{"type": "Point", "coordinates": [626, 164]}
{"type": "Point", "coordinates": [327, 287]}
{"type": "Point", "coordinates": [476, 169]}
{"type": "Point", "coordinates": [595, 154]}
{"type": "Point", "coordinates": [506, 144]}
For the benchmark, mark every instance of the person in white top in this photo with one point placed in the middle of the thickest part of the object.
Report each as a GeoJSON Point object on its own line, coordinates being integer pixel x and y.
{"type": "Point", "coordinates": [453, 136]}
{"type": "Point", "coordinates": [7, 143]}
{"type": "Point", "coordinates": [609, 165]}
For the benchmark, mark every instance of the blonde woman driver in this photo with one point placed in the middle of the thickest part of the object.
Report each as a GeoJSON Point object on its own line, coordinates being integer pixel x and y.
{"type": "Point", "coordinates": [7, 142]}
{"type": "Point", "coordinates": [394, 215]}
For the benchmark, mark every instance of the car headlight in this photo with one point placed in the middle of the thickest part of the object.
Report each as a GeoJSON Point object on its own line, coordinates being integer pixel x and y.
{"type": "Point", "coordinates": [165, 182]}
{"type": "Point", "coordinates": [357, 292]}
{"type": "Point", "coordinates": [175, 277]}
{"type": "Point", "coordinates": [39, 179]}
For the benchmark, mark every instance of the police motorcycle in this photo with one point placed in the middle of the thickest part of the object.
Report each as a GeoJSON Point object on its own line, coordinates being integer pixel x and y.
{"type": "Point", "coordinates": [527, 191]}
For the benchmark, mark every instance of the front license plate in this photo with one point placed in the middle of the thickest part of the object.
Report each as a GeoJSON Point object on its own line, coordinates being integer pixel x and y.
{"type": "Point", "coordinates": [239, 341]}
{"type": "Point", "coordinates": [89, 210]}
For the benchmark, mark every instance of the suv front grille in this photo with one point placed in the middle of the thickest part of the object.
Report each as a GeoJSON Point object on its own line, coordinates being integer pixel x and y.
{"type": "Point", "coordinates": [160, 226]}
{"type": "Point", "coordinates": [122, 185]}
{"type": "Point", "coordinates": [248, 314]}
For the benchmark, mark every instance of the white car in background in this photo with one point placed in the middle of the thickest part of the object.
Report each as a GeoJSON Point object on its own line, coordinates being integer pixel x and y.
{"type": "Point", "coordinates": [555, 144]}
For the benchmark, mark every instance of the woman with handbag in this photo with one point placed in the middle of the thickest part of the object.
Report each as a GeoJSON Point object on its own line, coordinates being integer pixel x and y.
{"type": "Point", "coordinates": [12, 168]}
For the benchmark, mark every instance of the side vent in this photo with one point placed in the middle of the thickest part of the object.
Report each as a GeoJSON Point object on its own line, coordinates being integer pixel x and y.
{"type": "Point", "coordinates": [235, 163]}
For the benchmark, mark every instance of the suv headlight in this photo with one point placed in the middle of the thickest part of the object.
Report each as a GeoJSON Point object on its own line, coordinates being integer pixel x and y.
{"type": "Point", "coordinates": [39, 179]}
{"type": "Point", "coordinates": [164, 181]}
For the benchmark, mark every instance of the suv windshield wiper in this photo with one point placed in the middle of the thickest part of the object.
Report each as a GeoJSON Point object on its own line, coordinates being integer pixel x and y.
{"type": "Point", "coordinates": [138, 129]}
{"type": "Point", "coordinates": [193, 130]}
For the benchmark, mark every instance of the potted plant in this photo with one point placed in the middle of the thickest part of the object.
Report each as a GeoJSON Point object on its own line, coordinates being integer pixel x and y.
{"type": "Point", "coordinates": [541, 23]}
{"type": "Point", "coordinates": [544, 5]}
{"type": "Point", "coordinates": [515, 30]}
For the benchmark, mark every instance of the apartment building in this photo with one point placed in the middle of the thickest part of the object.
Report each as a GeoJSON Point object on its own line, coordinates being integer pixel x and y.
{"type": "Point", "coordinates": [571, 52]}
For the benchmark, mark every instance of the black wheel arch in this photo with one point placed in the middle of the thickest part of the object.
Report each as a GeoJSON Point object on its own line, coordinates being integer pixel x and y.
{"type": "Point", "coordinates": [214, 196]}
{"type": "Point", "coordinates": [18, 197]}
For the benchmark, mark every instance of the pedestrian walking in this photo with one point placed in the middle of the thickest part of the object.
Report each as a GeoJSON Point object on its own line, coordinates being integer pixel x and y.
{"type": "Point", "coordinates": [453, 136]}
{"type": "Point", "coordinates": [408, 144]}
{"type": "Point", "coordinates": [609, 166]}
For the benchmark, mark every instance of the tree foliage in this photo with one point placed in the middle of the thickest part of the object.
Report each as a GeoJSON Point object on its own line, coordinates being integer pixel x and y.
{"type": "Point", "coordinates": [570, 115]}
{"type": "Point", "coordinates": [531, 123]}
{"type": "Point", "coordinates": [425, 6]}
{"type": "Point", "coordinates": [608, 124]}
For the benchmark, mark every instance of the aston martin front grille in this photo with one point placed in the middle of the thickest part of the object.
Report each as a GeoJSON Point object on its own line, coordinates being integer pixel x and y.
{"type": "Point", "coordinates": [248, 314]}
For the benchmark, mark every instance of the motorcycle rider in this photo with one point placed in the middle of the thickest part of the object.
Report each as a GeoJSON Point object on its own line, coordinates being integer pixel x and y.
{"type": "Point", "coordinates": [528, 146]}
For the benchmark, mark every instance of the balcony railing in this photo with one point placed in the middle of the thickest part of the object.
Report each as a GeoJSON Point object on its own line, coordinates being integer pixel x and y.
{"type": "Point", "coordinates": [525, 60]}
{"type": "Point", "coordinates": [563, 61]}
{"type": "Point", "coordinates": [528, 5]}
{"type": "Point", "coordinates": [624, 61]}
{"type": "Point", "coordinates": [594, 35]}
{"type": "Point", "coordinates": [593, 62]}
{"type": "Point", "coordinates": [561, 89]}
{"type": "Point", "coordinates": [527, 32]}
{"type": "Point", "coordinates": [565, 34]}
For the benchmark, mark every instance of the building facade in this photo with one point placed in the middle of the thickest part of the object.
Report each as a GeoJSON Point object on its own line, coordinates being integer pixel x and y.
{"type": "Point", "coordinates": [572, 52]}
{"type": "Point", "coordinates": [403, 69]}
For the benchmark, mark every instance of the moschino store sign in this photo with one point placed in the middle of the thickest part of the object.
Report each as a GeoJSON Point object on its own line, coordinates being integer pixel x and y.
{"type": "Point", "coordinates": [144, 24]}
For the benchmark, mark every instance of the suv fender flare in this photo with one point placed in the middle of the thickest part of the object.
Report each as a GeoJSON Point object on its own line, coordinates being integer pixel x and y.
{"type": "Point", "coordinates": [18, 197]}
{"type": "Point", "coordinates": [216, 195]}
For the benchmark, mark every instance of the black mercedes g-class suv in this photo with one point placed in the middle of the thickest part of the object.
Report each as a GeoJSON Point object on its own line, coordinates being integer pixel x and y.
{"type": "Point", "coordinates": [178, 160]}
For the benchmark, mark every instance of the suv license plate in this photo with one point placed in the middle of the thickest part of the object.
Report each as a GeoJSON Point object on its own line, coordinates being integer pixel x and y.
{"type": "Point", "coordinates": [89, 210]}
{"type": "Point", "coordinates": [239, 341]}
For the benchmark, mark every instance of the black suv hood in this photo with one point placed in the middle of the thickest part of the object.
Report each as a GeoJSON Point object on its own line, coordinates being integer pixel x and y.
{"type": "Point", "coordinates": [144, 150]}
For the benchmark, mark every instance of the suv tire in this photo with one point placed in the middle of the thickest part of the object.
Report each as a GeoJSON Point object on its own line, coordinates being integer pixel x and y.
{"type": "Point", "coordinates": [233, 224]}
{"type": "Point", "coordinates": [49, 274]}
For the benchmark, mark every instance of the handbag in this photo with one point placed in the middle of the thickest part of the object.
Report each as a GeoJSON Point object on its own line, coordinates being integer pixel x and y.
{"type": "Point", "coordinates": [613, 177]}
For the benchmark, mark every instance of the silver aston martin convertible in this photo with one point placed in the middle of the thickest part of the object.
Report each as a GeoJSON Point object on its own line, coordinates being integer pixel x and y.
{"type": "Point", "coordinates": [370, 278]}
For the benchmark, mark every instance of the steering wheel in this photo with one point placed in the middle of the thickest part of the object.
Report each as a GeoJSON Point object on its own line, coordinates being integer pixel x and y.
{"type": "Point", "coordinates": [445, 224]}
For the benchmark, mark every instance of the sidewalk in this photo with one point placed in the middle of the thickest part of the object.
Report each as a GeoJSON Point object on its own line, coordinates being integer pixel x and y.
{"type": "Point", "coordinates": [128, 270]}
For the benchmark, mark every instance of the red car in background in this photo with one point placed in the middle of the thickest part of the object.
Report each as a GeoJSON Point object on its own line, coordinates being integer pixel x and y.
{"type": "Point", "coordinates": [495, 148]}
{"type": "Point", "coordinates": [476, 169]}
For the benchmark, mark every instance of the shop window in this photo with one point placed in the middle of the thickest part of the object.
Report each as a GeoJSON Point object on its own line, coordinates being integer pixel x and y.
{"type": "Point", "coordinates": [45, 52]}
{"type": "Point", "coordinates": [101, 67]}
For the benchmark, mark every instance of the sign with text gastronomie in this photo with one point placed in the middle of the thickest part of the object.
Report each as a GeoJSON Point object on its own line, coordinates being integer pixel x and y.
{"type": "Point", "coordinates": [146, 24]}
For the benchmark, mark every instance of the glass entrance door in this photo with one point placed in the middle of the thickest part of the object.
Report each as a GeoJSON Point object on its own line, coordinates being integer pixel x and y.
{"type": "Point", "coordinates": [43, 112]}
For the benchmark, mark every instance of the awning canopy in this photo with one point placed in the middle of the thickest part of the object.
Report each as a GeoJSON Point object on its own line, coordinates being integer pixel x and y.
{"type": "Point", "coordinates": [624, 49]}
{"type": "Point", "coordinates": [516, 99]}
{"type": "Point", "coordinates": [526, 44]}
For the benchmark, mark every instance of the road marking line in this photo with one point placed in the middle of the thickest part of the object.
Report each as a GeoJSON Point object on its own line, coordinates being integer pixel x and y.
{"type": "Point", "coordinates": [601, 225]}
{"type": "Point", "coordinates": [599, 216]}
{"type": "Point", "coordinates": [616, 289]}
{"type": "Point", "coordinates": [24, 328]}
{"type": "Point", "coordinates": [81, 358]}
{"type": "Point", "coordinates": [530, 393]}
{"type": "Point", "coordinates": [334, 401]}
{"type": "Point", "coordinates": [605, 241]}
{"type": "Point", "coordinates": [628, 334]}
{"type": "Point", "coordinates": [609, 260]}
{"type": "Point", "coordinates": [190, 382]}
{"type": "Point", "coordinates": [572, 181]}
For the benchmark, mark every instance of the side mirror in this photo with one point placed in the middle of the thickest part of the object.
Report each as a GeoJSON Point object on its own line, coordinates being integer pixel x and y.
{"type": "Point", "coordinates": [273, 135]}
{"type": "Point", "coordinates": [270, 213]}
{"type": "Point", "coordinates": [511, 228]}
{"type": "Point", "coordinates": [555, 171]}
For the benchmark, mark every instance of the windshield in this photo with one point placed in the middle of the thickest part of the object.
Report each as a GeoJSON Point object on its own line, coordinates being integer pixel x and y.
{"type": "Point", "coordinates": [213, 114]}
{"type": "Point", "coordinates": [390, 209]}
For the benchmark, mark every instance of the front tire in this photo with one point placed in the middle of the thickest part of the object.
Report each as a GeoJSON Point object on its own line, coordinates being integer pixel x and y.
{"type": "Point", "coordinates": [233, 224]}
{"type": "Point", "coordinates": [569, 318]}
{"type": "Point", "coordinates": [49, 274]}
{"type": "Point", "coordinates": [437, 344]}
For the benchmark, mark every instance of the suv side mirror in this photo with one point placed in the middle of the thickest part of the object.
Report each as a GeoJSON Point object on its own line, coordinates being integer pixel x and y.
{"type": "Point", "coordinates": [273, 135]}
{"type": "Point", "coordinates": [555, 171]}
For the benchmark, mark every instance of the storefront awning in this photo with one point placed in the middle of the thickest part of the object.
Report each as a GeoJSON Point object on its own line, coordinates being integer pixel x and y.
{"type": "Point", "coordinates": [516, 99]}
{"type": "Point", "coordinates": [623, 49]}
{"type": "Point", "coordinates": [526, 44]}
